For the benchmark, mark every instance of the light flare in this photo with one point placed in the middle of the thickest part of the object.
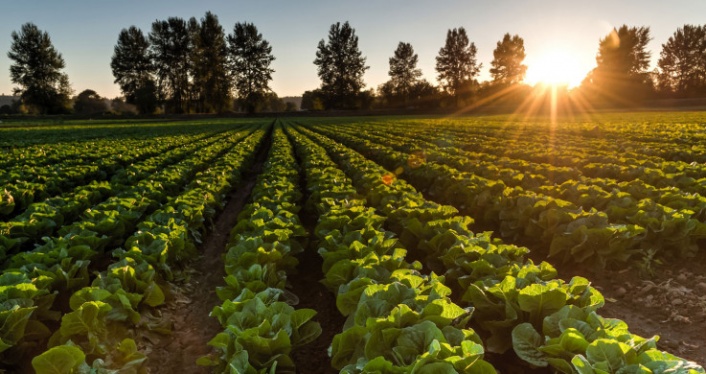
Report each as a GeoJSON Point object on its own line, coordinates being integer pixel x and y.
{"type": "Point", "coordinates": [556, 67]}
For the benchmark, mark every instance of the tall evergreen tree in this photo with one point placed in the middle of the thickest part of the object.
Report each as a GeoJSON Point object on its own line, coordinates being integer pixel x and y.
{"type": "Point", "coordinates": [341, 66]}
{"type": "Point", "coordinates": [133, 69]}
{"type": "Point", "coordinates": [403, 71]}
{"type": "Point", "coordinates": [682, 62]}
{"type": "Point", "coordinates": [250, 58]}
{"type": "Point", "coordinates": [621, 66]}
{"type": "Point", "coordinates": [456, 63]}
{"type": "Point", "coordinates": [210, 55]}
{"type": "Point", "coordinates": [508, 57]}
{"type": "Point", "coordinates": [37, 66]}
{"type": "Point", "coordinates": [170, 51]}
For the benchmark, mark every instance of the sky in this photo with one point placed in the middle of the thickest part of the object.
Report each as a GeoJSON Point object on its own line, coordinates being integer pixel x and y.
{"type": "Point", "coordinates": [85, 31]}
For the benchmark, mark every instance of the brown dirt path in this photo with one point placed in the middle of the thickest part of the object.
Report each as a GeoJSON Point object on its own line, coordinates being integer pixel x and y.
{"type": "Point", "coordinates": [670, 303]}
{"type": "Point", "coordinates": [192, 298]}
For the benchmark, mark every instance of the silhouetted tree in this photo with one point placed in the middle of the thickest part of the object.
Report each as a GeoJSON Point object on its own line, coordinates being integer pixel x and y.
{"type": "Point", "coordinates": [209, 63]}
{"type": "Point", "coordinates": [403, 71]}
{"type": "Point", "coordinates": [133, 69]}
{"type": "Point", "coordinates": [424, 94]}
{"type": "Point", "coordinates": [37, 66]}
{"type": "Point", "coordinates": [170, 51]}
{"type": "Point", "coordinates": [508, 57]}
{"type": "Point", "coordinates": [312, 100]}
{"type": "Point", "coordinates": [682, 63]}
{"type": "Point", "coordinates": [89, 102]}
{"type": "Point", "coordinates": [119, 106]}
{"type": "Point", "coordinates": [456, 63]}
{"type": "Point", "coordinates": [250, 59]}
{"type": "Point", "coordinates": [341, 65]}
{"type": "Point", "coordinates": [273, 103]}
{"type": "Point", "coordinates": [621, 74]}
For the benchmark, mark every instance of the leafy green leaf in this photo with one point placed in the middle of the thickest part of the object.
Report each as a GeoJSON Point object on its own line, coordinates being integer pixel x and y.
{"type": "Point", "coordinates": [62, 359]}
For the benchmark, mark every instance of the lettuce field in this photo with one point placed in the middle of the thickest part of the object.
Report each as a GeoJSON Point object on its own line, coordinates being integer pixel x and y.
{"type": "Point", "coordinates": [356, 245]}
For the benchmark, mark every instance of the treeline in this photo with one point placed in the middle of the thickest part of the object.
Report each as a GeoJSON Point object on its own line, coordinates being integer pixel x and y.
{"type": "Point", "coordinates": [621, 77]}
{"type": "Point", "coordinates": [180, 66]}
{"type": "Point", "coordinates": [193, 66]}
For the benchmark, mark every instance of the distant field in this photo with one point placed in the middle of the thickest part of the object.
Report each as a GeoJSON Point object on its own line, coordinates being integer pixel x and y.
{"type": "Point", "coordinates": [428, 244]}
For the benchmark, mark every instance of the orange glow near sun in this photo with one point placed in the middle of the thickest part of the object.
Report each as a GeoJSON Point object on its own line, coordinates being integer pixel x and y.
{"type": "Point", "coordinates": [554, 67]}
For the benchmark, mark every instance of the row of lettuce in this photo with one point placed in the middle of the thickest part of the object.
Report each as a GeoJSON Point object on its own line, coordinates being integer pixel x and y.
{"type": "Point", "coordinates": [52, 215]}
{"type": "Point", "coordinates": [261, 328]}
{"type": "Point", "coordinates": [596, 220]}
{"type": "Point", "coordinates": [137, 235]}
{"type": "Point", "coordinates": [401, 317]}
{"type": "Point", "coordinates": [382, 245]}
{"type": "Point", "coordinates": [517, 305]}
{"type": "Point", "coordinates": [376, 288]}
{"type": "Point", "coordinates": [399, 320]}
{"type": "Point", "coordinates": [34, 172]}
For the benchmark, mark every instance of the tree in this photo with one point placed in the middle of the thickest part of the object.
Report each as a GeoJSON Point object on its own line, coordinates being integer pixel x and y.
{"type": "Point", "coordinates": [37, 70]}
{"type": "Point", "coordinates": [89, 102]}
{"type": "Point", "coordinates": [170, 51]}
{"type": "Point", "coordinates": [424, 94]}
{"type": "Point", "coordinates": [312, 100]}
{"type": "Point", "coordinates": [250, 58]}
{"type": "Point", "coordinates": [273, 103]}
{"type": "Point", "coordinates": [133, 69]}
{"type": "Point", "coordinates": [119, 106]}
{"type": "Point", "coordinates": [621, 72]}
{"type": "Point", "coordinates": [341, 66]}
{"type": "Point", "coordinates": [682, 62]}
{"type": "Point", "coordinates": [209, 63]}
{"type": "Point", "coordinates": [403, 71]}
{"type": "Point", "coordinates": [507, 67]}
{"type": "Point", "coordinates": [456, 63]}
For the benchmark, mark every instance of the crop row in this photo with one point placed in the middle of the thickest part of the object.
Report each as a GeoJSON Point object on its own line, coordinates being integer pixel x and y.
{"type": "Point", "coordinates": [97, 322]}
{"type": "Point", "coordinates": [47, 217]}
{"type": "Point", "coordinates": [518, 305]}
{"type": "Point", "coordinates": [627, 226]}
{"type": "Point", "coordinates": [25, 184]}
{"type": "Point", "coordinates": [561, 159]}
{"type": "Point", "coordinates": [261, 328]}
{"type": "Point", "coordinates": [398, 320]}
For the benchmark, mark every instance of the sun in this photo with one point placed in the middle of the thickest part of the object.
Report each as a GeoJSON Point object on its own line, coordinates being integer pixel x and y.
{"type": "Point", "coordinates": [554, 67]}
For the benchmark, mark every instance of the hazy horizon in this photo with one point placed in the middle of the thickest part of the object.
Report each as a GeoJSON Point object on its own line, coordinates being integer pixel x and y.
{"type": "Point", "coordinates": [85, 32]}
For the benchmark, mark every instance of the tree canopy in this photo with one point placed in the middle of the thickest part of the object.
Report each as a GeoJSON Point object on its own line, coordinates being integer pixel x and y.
{"type": "Point", "coordinates": [621, 66]}
{"type": "Point", "coordinates": [89, 102]}
{"type": "Point", "coordinates": [170, 51]}
{"type": "Point", "coordinates": [682, 62]}
{"type": "Point", "coordinates": [250, 58]}
{"type": "Point", "coordinates": [403, 71]}
{"type": "Point", "coordinates": [133, 69]}
{"type": "Point", "coordinates": [43, 87]}
{"type": "Point", "coordinates": [209, 63]}
{"type": "Point", "coordinates": [341, 65]}
{"type": "Point", "coordinates": [508, 57]}
{"type": "Point", "coordinates": [456, 63]}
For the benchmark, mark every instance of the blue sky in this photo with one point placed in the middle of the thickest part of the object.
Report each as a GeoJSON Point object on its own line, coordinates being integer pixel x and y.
{"type": "Point", "coordinates": [85, 31]}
